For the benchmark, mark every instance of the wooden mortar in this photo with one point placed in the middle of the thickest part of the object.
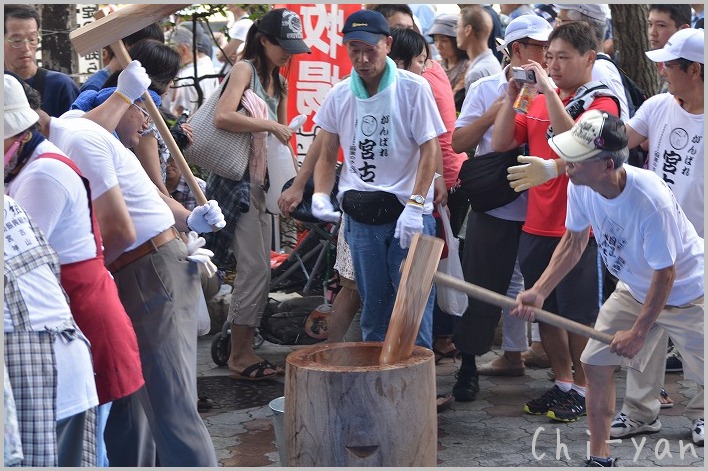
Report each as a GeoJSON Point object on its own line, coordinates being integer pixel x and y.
{"type": "Point", "coordinates": [344, 408]}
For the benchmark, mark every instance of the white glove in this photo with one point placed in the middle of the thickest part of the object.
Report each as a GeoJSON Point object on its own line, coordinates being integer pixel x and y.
{"type": "Point", "coordinates": [199, 255]}
{"type": "Point", "coordinates": [322, 208]}
{"type": "Point", "coordinates": [133, 81]}
{"type": "Point", "coordinates": [409, 223]}
{"type": "Point", "coordinates": [534, 171]}
{"type": "Point", "coordinates": [205, 216]}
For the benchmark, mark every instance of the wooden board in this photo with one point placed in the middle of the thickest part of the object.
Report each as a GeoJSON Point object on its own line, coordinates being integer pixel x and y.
{"type": "Point", "coordinates": [126, 21]}
{"type": "Point", "coordinates": [413, 291]}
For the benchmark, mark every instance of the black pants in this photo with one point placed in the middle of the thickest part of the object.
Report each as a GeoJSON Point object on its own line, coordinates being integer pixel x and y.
{"type": "Point", "coordinates": [491, 246]}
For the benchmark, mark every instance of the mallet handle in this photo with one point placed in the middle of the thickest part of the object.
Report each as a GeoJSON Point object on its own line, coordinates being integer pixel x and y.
{"type": "Point", "coordinates": [497, 299]}
{"type": "Point", "coordinates": [124, 59]}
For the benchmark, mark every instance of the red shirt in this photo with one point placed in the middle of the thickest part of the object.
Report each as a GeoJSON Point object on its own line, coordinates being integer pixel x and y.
{"type": "Point", "coordinates": [545, 215]}
{"type": "Point", "coordinates": [444, 98]}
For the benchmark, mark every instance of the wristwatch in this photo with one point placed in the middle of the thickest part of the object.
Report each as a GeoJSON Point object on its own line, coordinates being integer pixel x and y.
{"type": "Point", "coordinates": [417, 199]}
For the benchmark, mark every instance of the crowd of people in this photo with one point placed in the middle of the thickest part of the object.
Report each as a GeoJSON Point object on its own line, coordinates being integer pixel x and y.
{"type": "Point", "coordinates": [107, 277]}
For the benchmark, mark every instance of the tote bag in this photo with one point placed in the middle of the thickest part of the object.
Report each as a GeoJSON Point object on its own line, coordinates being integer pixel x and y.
{"type": "Point", "coordinates": [222, 152]}
{"type": "Point", "coordinates": [450, 300]}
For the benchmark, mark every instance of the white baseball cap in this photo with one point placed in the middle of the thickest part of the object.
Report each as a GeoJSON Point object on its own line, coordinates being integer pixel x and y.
{"type": "Point", "coordinates": [526, 26]}
{"type": "Point", "coordinates": [594, 132]}
{"type": "Point", "coordinates": [683, 44]}
{"type": "Point", "coordinates": [594, 11]}
{"type": "Point", "coordinates": [18, 114]}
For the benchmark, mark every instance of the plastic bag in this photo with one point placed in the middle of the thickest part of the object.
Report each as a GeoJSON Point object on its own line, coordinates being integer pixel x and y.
{"type": "Point", "coordinates": [450, 300]}
{"type": "Point", "coordinates": [281, 166]}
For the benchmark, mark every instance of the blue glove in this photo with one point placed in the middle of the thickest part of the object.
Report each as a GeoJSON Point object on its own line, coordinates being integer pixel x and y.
{"type": "Point", "coordinates": [409, 223]}
{"type": "Point", "coordinates": [322, 208]}
{"type": "Point", "coordinates": [204, 217]}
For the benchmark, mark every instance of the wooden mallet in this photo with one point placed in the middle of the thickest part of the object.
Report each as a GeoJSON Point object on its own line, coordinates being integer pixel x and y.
{"type": "Point", "coordinates": [110, 31]}
{"type": "Point", "coordinates": [419, 270]}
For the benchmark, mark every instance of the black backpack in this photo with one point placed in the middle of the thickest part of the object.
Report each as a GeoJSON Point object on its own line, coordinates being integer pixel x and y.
{"type": "Point", "coordinates": [635, 97]}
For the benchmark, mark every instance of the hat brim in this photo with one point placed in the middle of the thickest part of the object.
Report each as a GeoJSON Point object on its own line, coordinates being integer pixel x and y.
{"type": "Point", "coordinates": [570, 149]}
{"type": "Point", "coordinates": [660, 55]}
{"type": "Point", "coordinates": [442, 29]}
{"type": "Point", "coordinates": [365, 36]}
{"type": "Point", "coordinates": [294, 46]}
{"type": "Point", "coordinates": [19, 120]}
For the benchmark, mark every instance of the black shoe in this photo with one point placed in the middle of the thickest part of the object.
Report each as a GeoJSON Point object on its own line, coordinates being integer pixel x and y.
{"type": "Point", "coordinates": [204, 404]}
{"type": "Point", "coordinates": [543, 404]}
{"type": "Point", "coordinates": [601, 463]}
{"type": "Point", "coordinates": [466, 387]}
{"type": "Point", "coordinates": [568, 410]}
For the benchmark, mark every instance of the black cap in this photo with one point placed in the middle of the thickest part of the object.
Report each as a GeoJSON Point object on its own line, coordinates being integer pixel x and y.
{"type": "Point", "coordinates": [285, 26]}
{"type": "Point", "coordinates": [365, 25]}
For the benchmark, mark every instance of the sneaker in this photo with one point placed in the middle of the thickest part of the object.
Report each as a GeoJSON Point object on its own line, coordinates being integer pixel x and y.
{"type": "Point", "coordinates": [542, 405]}
{"type": "Point", "coordinates": [624, 426]}
{"type": "Point", "coordinates": [697, 432]}
{"type": "Point", "coordinates": [673, 361]}
{"type": "Point", "coordinates": [466, 387]}
{"type": "Point", "coordinates": [601, 463]}
{"type": "Point", "coordinates": [568, 410]}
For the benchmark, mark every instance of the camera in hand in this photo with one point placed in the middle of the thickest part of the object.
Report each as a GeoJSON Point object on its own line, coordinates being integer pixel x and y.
{"type": "Point", "coordinates": [178, 134]}
{"type": "Point", "coordinates": [522, 75]}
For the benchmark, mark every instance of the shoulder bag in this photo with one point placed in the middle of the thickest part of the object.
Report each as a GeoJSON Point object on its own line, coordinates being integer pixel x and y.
{"type": "Point", "coordinates": [483, 180]}
{"type": "Point", "coordinates": [222, 152]}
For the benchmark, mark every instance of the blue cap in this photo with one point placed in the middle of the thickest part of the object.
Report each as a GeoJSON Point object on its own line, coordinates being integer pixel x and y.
{"type": "Point", "coordinates": [365, 25]}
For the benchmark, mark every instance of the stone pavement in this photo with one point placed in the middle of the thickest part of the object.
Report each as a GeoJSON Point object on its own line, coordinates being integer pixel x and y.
{"type": "Point", "coordinates": [491, 431]}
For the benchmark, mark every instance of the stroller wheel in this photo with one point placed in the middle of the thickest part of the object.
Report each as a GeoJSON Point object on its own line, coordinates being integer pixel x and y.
{"type": "Point", "coordinates": [221, 349]}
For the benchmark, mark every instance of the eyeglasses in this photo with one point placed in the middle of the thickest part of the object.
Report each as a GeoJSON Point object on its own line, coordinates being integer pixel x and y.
{"type": "Point", "coordinates": [146, 115]}
{"type": "Point", "coordinates": [19, 43]}
{"type": "Point", "coordinates": [542, 46]}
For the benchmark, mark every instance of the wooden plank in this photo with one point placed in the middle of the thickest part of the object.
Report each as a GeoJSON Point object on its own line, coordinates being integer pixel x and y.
{"type": "Point", "coordinates": [497, 299]}
{"type": "Point", "coordinates": [413, 291]}
{"type": "Point", "coordinates": [126, 21]}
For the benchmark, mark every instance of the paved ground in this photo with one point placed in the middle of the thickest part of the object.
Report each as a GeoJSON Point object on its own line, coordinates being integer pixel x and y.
{"type": "Point", "coordinates": [491, 431]}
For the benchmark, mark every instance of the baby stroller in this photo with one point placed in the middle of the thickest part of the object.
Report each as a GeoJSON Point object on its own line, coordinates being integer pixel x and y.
{"type": "Point", "coordinates": [307, 269]}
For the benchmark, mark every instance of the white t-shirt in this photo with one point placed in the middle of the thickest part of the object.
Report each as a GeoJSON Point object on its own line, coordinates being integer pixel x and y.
{"type": "Point", "coordinates": [106, 162]}
{"type": "Point", "coordinates": [48, 307]}
{"type": "Point", "coordinates": [642, 230]}
{"type": "Point", "coordinates": [183, 92]}
{"type": "Point", "coordinates": [382, 153]}
{"type": "Point", "coordinates": [483, 65]}
{"type": "Point", "coordinates": [605, 72]}
{"type": "Point", "coordinates": [55, 197]}
{"type": "Point", "coordinates": [675, 150]}
{"type": "Point", "coordinates": [240, 28]}
{"type": "Point", "coordinates": [478, 100]}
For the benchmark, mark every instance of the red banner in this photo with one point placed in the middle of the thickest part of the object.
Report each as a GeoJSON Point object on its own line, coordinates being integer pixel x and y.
{"type": "Point", "coordinates": [311, 76]}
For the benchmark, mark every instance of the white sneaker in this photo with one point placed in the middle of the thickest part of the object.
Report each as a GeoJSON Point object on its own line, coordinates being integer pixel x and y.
{"type": "Point", "coordinates": [624, 426]}
{"type": "Point", "coordinates": [697, 431]}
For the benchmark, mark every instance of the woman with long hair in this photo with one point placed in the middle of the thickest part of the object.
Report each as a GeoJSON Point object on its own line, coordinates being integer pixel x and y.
{"type": "Point", "coordinates": [270, 44]}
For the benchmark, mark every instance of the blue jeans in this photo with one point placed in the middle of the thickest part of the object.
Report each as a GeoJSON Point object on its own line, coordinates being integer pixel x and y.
{"type": "Point", "coordinates": [377, 258]}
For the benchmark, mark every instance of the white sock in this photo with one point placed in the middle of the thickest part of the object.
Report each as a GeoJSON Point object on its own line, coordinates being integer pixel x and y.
{"type": "Point", "coordinates": [564, 385]}
{"type": "Point", "coordinates": [579, 389]}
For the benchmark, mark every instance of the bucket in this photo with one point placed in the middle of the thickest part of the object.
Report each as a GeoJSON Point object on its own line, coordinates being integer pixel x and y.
{"type": "Point", "coordinates": [277, 405]}
{"type": "Point", "coordinates": [347, 409]}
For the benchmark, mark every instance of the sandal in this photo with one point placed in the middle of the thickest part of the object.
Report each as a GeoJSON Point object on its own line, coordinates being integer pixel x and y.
{"type": "Point", "coordinates": [440, 355]}
{"type": "Point", "coordinates": [665, 400]}
{"type": "Point", "coordinates": [259, 370]}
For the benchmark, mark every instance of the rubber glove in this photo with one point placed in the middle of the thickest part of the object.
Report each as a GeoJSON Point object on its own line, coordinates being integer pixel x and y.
{"type": "Point", "coordinates": [409, 223]}
{"type": "Point", "coordinates": [133, 81]}
{"type": "Point", "coordinates": [322, 208]}
{"type": "Point", "coordinates": [534, 171]}
{"type": "Point", "coordinates": [205, 216]}
{"type": "Point", "coordinates": [197, 254]}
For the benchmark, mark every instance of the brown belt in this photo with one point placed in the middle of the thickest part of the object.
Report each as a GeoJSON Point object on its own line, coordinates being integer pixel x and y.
{"type": "Point", "coordinates": [143, 249]}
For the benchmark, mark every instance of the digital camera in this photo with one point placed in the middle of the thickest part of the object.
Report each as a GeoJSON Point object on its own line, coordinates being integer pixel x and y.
{"type": "Point", "coordinates": [522, 75]}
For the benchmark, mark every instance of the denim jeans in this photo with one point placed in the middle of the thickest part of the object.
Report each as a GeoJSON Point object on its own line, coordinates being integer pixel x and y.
{"type": "Point", "coordinates": [377, 256]}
